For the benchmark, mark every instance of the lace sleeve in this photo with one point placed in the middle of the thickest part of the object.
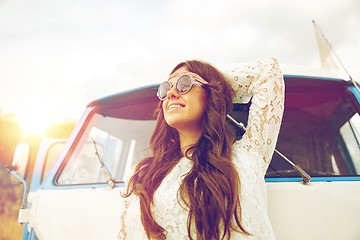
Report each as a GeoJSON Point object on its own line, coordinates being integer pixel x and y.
{"type": "Point", "coordinates": [263, 81]}
{"type": "Point", "coordinates": [124, 205]}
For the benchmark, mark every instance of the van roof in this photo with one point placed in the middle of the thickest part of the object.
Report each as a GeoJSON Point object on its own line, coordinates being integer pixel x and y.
{"type": "Point", "coordinates": [148, 93]}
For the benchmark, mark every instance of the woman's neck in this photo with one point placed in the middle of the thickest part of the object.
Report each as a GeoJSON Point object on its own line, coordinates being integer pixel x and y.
{"type": "Point", "coordinates": [188, 138]}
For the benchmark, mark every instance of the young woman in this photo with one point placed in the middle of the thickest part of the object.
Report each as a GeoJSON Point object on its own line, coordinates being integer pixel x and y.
{"type": "Point", "coordinates": [199, 184]}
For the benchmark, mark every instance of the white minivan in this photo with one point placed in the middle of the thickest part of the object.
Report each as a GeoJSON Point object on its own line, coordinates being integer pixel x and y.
{"type": "Point", "coordinates": [77, 196]}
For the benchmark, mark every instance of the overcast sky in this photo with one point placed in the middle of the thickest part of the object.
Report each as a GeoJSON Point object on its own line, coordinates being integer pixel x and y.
{"type": "Point", "coordinates": [56, 56]}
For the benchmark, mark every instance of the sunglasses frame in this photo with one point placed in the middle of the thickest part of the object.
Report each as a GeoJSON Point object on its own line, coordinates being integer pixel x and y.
{"type": "Point", "coordinates": [193, 81]}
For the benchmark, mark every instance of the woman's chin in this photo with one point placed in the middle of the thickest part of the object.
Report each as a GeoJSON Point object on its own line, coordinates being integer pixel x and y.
{"type": "Point", "coordinates": [174, 122]}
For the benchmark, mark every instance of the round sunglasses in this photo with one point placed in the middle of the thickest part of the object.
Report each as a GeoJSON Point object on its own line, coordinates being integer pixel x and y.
{"type": "Point", "coordinates": [183, 86]}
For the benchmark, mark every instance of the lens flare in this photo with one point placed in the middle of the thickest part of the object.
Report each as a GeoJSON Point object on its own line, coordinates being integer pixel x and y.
{"type": "Point", "coordinates": [33, 122]}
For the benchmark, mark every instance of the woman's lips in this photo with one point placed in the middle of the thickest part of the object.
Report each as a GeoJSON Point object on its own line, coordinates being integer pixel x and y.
{"type": "Point", "coordinates": [175, 106]}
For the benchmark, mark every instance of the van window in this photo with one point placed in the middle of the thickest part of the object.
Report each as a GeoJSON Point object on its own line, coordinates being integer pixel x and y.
{"type": "Point", "coordinates": [350, 133]}
{"type": "Point", "coordinates": [320, 133]}
{"type": "Point", "coordinates": [51, 155]}
{"type": "Point", "coordinates": [120, 143]}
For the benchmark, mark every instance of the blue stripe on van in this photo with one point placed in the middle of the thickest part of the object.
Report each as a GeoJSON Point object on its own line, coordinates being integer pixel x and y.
{"type": "Point", "coordinates": [315, 179]}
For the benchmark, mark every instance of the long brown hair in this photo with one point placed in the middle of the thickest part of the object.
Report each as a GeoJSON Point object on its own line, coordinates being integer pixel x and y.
{"type": "Point", "coordinates": [210, 190]}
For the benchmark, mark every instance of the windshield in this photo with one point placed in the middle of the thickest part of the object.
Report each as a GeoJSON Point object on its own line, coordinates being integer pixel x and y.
{"type": "Point", "coordinates": [121, 143]}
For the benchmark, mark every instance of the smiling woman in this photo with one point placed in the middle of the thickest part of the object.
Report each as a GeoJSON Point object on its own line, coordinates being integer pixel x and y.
{"type": "Point", "coordinates": [189, 188]}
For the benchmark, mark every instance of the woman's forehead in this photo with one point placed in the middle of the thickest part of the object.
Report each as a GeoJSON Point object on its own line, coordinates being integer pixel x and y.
{"type": "Point", "coordinates": [179, 72]}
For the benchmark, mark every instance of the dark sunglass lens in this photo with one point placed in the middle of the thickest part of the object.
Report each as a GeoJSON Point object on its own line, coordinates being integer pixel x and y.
{"type": "Point", "coordinates": [184, 84]}
{"type": "Point", "coordinates": [163, 90]}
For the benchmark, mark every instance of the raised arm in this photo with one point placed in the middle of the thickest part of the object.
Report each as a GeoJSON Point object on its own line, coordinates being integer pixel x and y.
{"type": "Point", "coordinates": [263, 81]}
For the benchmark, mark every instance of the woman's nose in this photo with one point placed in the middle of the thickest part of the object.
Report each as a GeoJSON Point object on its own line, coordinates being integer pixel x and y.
{"type": "Point", "coordinates": [172, 93]}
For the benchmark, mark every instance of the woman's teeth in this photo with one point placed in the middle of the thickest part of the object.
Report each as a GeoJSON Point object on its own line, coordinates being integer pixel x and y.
{"type": "Point", "coordinates": [174, 106]}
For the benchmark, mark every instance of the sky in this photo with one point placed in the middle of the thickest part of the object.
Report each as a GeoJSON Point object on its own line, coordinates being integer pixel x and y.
{"type": "Point", "coordinates": [57, 56]}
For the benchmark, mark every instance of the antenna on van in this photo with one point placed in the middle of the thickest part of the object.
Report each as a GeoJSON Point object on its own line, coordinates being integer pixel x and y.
{"type": "Point", "coordinates": [326, 50]}
{"type": "Point", "coordinates": [305, 176]}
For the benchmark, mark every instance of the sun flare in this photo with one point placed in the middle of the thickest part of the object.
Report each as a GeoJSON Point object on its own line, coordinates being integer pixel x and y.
{"type": "Point", "coordinates": [33, 123]}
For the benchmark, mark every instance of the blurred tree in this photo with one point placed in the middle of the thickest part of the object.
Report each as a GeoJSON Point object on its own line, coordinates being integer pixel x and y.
{"type": "Point", "coordinates": [11, 134]}
{"type": "Point", "coordinates": [60, 130]}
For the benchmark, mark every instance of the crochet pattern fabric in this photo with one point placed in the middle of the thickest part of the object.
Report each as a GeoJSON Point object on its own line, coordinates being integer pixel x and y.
{"type": "Point", "coordinates": [263, 81]}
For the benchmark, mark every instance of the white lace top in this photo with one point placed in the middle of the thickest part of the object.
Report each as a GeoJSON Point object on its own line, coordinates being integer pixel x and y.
{"type": "Point", "coordinates": [263, 82]}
